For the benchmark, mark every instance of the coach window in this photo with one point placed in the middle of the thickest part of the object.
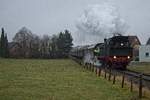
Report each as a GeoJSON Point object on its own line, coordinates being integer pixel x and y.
{"type": "Point", "coordinates": [147, 54]}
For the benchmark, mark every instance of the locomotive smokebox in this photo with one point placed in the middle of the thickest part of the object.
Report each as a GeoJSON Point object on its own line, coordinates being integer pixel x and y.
{"type": "Point", "coordinates": [105, 40]}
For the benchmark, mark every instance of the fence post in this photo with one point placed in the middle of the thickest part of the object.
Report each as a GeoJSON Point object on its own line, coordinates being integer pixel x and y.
{"type": "Point", "coordinates": [123, 79]}
{"type": "Point", "coordinates": [105, 73]}
{"type": "Point", "coordinates": [80, 62]}
{"type": "Point", "coordinates": [109, 77]}
{"type": "Point", "coordinates": [114, 79]}
{"type": "Point", "coordinates": [93, 68]}
{"type": "Point", "coordinates": [99, 72]}
{"type": "Point", "coordinates": [96, 70]}
{"type": "Point", "coordinates": [83, 66]}
{"type": "Point", "coordinates": [131, 88]}
{"type": "Point", "coordinates": [87, 66]}
{"type": "Point", "coordinates": [90, 67]}
{"type": "Point", "coordinates": [140, 86]}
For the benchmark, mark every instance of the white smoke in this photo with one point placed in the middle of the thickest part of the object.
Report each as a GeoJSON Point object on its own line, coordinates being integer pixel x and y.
{"type": "Point", "coordinates": [98, 22]}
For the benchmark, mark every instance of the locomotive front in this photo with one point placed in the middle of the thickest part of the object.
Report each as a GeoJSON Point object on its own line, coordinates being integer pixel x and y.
{"type": "Point", "coordinates": [118, 51]}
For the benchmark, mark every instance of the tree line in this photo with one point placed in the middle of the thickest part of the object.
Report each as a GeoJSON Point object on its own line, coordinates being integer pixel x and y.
{"type": "Point", "coordinates": [4, 44]}
{"type": "Point", "coordinates": [25, 44]}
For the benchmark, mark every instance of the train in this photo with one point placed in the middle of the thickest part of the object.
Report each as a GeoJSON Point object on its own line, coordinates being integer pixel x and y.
{"type": "Point", "coordinates": [115, 52]}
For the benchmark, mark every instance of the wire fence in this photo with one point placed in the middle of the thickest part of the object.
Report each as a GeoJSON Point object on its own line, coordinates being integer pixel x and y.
{"type": "Point", "coordinates": [133, 78]}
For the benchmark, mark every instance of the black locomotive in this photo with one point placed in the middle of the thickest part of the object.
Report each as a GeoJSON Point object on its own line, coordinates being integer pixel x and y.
{"type": "Point", "coordinates": [115, 52]}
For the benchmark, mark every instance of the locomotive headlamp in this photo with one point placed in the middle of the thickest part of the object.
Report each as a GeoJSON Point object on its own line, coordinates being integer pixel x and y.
{"type": "Point", "coordinates": [115, 57]}
{"type": "Point", "coordinates": [128, 57]}
{"type": "Point", "coordinates": [121, 44]}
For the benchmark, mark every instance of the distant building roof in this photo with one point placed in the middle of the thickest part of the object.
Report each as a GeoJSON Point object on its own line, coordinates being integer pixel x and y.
{"type": "Point", "coordinates": [134, 40]}
{"type": "Point", "coordinates": [148, 42]}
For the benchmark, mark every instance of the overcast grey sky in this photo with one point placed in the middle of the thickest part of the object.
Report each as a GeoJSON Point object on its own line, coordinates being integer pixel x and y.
{"type": "Point", "coordinates": [53, 16]}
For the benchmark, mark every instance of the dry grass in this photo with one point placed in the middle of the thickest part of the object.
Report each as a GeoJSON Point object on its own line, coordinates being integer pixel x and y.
{"type": "Point", "coordinates": [55, 80]}
{"type": "Point", "coordinates": [140, 67]}
{"type": "Point", "coordinates": [127, 84]}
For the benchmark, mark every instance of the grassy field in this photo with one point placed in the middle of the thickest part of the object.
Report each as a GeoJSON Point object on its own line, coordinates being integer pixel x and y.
{"type": "Point", "coordinates": [55, 80]}
{"type": "Point", "coordinates": [140, 67]}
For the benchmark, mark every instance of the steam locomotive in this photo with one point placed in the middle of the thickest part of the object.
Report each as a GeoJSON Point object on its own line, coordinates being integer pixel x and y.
{"type": "Point", "coordinates": [115, 52]}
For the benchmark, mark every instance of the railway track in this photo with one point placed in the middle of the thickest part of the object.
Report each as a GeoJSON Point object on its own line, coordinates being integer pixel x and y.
{"type": "Point", "coordinates": [130, 75]}
{"type": "Point", "coordinates": [146, 77]}
{"type": "Point", "coordinates": [140, 80]}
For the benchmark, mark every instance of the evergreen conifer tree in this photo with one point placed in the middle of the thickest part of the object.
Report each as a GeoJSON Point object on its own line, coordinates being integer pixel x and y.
{"type": "Point", "coordinates": [2, 43]}
{"type": "Point", "coordinates": [68, 42]}
{"type": "Point", "coordinates": [6, 54]}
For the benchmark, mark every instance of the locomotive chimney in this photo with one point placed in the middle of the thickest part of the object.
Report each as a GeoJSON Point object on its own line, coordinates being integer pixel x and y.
{"type": "Point", "coordinates": [105, 40]}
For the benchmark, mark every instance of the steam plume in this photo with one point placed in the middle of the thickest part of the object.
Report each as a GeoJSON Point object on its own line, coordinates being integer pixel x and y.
{"type": "Point", "coordinates": [98, 22]}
